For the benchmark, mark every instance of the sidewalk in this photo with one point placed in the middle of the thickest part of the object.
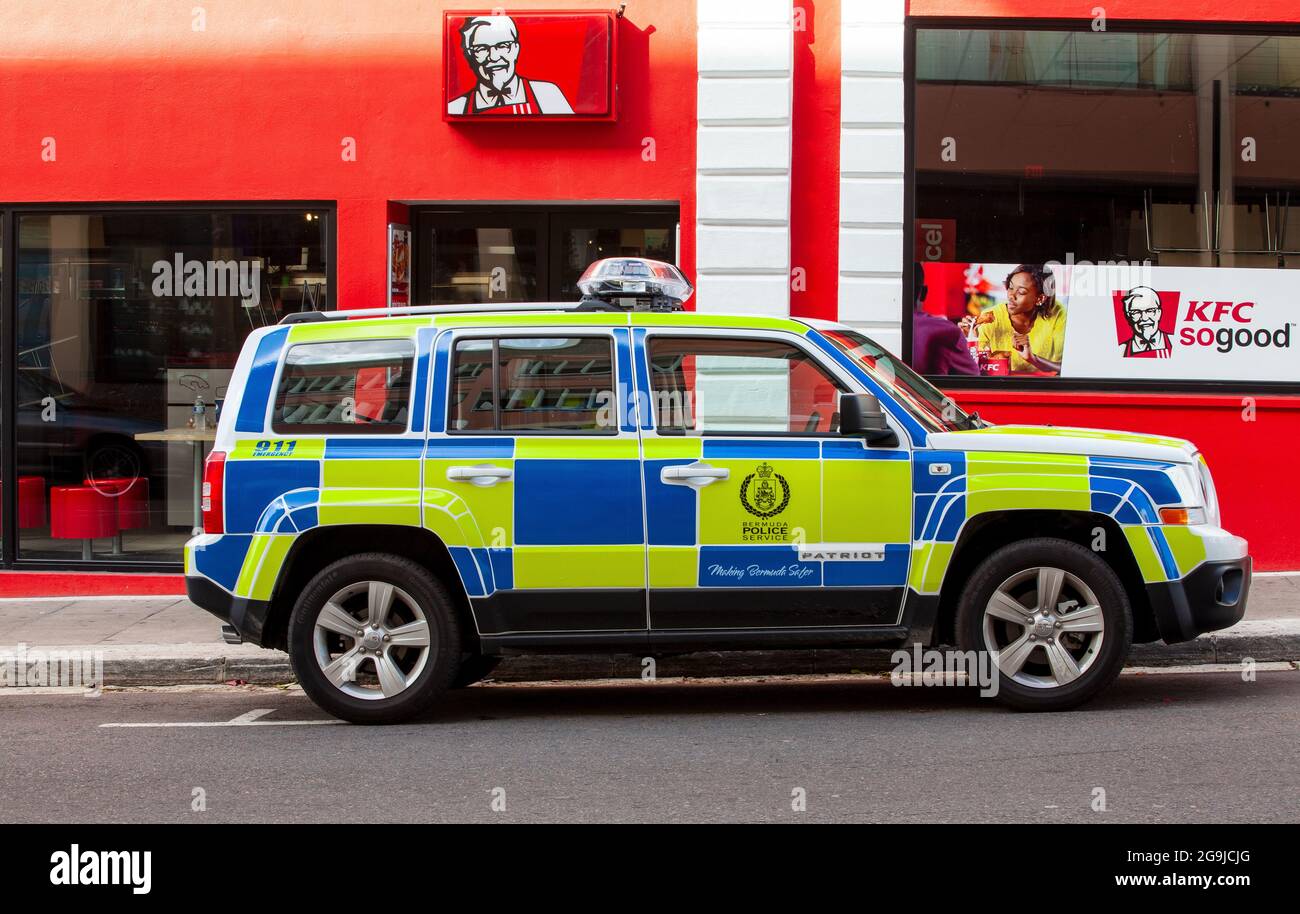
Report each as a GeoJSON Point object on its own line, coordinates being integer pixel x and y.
{"type": "Point", "coordinates": [169, 641]}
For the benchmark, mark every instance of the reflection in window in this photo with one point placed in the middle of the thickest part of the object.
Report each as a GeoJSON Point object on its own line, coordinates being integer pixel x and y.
{"type": "Point", "coordinates": [739, 386]}
{"type": "Point", "coordinates": [1102, 146]}
{"type": "Point", "coordinates": [360, 386]}
{"type": "Point", "coordinates": [545, 384]}
{"type": "Point", "coordinates": [128, 326]}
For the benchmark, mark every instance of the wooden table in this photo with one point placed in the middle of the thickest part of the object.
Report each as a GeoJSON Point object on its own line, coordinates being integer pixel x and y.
{"type": "Point", "coordinates": [197, 437]}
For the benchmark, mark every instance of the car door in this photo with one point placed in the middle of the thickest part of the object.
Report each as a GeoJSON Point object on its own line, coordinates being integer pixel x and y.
{"type": "Point", "coordinates": [532, 467]}
{"type": "Point", "coordinates": [759, 514]}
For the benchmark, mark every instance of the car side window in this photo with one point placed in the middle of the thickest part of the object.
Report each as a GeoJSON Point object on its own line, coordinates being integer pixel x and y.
{"type": "Point", "coordinates": [534, 384]}
{"type": "Point", "coordinates": [740, 386]}
{"type": "Point", "coordinates": [345, 387]}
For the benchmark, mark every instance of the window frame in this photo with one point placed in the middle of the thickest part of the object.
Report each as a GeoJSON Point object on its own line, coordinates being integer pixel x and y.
{"type": "Point", "coordinates": [548, 219]}
{"type": "Point", "coordinates": [325, 429]}
{"type": "Point", "coordinates": [912, 27]}
{"type": "Point", "coordinates": [523, 333]}
{"type": "Point", "coordinates": [10, 212]}
{"type": "Point", "coordinates": [842, 382]}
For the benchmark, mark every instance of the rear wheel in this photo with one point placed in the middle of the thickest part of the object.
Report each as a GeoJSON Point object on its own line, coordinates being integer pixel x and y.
{"type": "Point", "coordinates": [374, 639]}
{"type": "Point", "coordinates": [1056, 619]}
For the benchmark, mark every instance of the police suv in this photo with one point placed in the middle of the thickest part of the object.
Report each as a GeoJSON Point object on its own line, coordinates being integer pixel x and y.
{"type": "Point", "coordinates": [399, 498]}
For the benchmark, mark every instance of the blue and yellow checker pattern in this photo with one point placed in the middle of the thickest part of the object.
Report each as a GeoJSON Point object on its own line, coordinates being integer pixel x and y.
{"type": "Point", "coordinates": [591, 513]}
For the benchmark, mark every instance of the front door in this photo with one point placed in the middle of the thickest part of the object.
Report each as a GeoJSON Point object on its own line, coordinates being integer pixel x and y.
{"type": "Point", "coordinates": [759, 514]}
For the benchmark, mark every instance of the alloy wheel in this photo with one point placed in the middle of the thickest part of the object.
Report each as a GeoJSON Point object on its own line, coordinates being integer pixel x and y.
{"type": "Point", "coordinates": [1044, 626]}
{"type": "Point", "coordinates": [372, 640]}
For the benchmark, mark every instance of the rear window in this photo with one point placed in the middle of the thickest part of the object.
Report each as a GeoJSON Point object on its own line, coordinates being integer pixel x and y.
{"type": "Point", "coordinates": [350, 386]}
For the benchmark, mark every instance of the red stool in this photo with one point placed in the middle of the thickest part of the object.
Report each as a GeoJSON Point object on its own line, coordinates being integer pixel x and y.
{"type": "Point", "coordinates": [131, 495]}
{"type": "Point", "coordinates": [31, 502]}
{"type": "Point", "coordinates": [82, 513]}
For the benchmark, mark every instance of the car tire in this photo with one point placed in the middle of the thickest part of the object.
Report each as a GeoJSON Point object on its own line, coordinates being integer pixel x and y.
{"type": "Point", "coordinates": [1057, 617]}
{"type": "Point", "coordinates": [474, 668]}
{"type": "Point", "coordinates": [374, 639]}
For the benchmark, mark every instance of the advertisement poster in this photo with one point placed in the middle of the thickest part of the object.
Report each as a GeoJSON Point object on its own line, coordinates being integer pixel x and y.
{"type": "Point", "coordinates": [1106, 321]}
{"type": "Point", "coordinates": [528, 66]}
{"type": "Point", "coordinates": [399, 265]}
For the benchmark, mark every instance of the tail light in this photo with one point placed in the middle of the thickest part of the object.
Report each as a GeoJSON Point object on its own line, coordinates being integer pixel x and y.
{"type": "Point", "coordinates": [214, 493]}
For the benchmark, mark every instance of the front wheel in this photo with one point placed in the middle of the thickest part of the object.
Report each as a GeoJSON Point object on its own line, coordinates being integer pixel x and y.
{"type": "Point", "coordinates": [1056, 619]}
{"type": "Point", "coordinates": [374, 639]}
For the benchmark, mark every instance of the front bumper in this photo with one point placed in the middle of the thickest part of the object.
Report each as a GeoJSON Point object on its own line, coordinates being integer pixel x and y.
{"type": "Point", "coordinates": [1211, 597]}
{"type": "Point", "coordinates": [247, 616]}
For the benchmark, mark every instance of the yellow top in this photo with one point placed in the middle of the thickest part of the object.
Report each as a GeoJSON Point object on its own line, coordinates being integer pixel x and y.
{"type": "Point", "coordinates": [1046, 336]}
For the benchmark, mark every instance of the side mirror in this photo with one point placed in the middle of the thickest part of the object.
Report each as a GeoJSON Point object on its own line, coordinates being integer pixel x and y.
{"type": "Point", "coordinates": [861, 415]}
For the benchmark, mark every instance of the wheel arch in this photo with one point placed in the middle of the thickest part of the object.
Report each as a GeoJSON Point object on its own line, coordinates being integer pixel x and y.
{"type": "Point", "coordinates": [985, 533]}
{"type": "Point", "coordinates": [320, 546]}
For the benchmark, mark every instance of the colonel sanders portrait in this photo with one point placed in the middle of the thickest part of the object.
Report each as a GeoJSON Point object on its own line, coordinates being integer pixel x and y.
{"type": "Point", "coordinates": [1143, 310]}
{"type": "Point", "coordinates": [491, 47]}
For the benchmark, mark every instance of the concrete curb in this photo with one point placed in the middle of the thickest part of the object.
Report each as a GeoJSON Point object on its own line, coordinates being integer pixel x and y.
{"type": "Point", "coordinates": [200, 664]}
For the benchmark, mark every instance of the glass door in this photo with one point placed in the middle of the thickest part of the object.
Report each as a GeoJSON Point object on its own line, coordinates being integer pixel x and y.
{"type": "Point", "coordinates": [475, 255]}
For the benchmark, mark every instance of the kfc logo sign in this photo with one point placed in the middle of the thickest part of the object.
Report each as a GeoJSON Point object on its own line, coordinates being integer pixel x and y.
{"type": "Point", "coordinates": [1146, 321]}
{"type": "Point", "coordinates": [528, 66]}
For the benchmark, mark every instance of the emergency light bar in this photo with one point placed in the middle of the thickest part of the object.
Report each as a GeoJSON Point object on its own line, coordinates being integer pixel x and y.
{"type": "Point", "coordinates": [633, 284]}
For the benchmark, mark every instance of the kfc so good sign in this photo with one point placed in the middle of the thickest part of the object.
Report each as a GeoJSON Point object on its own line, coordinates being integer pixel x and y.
{"type": "Point", "coordinates": [1185, 323]}
{"type": "Point", "coordinates": [528, 66]}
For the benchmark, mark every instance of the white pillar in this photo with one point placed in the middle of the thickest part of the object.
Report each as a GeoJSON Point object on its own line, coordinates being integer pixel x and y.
{"type": "Point", "coordinates": [871, 169]}
{"type": "Point", "coordinates": [742, 220]}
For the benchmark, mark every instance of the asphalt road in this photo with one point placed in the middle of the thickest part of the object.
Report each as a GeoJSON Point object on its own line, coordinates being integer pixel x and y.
{"type": "Point", "coordinates": [1184, 747]}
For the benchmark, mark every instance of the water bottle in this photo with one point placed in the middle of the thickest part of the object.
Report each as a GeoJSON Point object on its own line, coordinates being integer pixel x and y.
{"type": "Point", "coordinates": [200, 414]}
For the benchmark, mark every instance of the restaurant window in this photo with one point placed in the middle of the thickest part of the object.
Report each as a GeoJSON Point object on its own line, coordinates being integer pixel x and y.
{"type": "Point", "coordinates": [488, 255]}
{"type": "Point", "coordinates": [128, 324]}
{"type": "Point", "coordinates": [1121, 185]}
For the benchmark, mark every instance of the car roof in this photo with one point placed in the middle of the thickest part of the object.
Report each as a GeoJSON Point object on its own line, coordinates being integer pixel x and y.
{"type": "Point", "coordinates": [338, 325]}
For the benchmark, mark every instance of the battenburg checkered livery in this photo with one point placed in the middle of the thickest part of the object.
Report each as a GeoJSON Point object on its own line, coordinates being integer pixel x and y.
{"type": "Point", "coordinates": [399, 500]}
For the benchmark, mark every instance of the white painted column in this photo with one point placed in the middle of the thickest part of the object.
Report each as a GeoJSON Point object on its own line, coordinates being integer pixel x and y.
{"type": "Point", "coordinates": [745, 89]}
{"type": "Point", "coordinates": [871, 169]}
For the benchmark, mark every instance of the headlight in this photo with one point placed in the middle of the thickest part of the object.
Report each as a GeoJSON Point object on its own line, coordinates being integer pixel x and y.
{"type": "Point", "coordinates": [1186, 479]}
{"type": "Point", "coordinates": [1211, 496]}
{"type": "Point", "coordinates": [1191, 508]}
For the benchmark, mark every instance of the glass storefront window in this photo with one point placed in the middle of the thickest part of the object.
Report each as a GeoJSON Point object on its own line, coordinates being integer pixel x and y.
{"type": "Point", "coordinates": [1116, 182]}
{"type": "Point", "coordinates": [128, 326]}
{"type": "Point", "coordinates": [473, 255]}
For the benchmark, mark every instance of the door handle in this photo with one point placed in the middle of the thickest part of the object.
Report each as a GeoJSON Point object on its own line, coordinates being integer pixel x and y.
{"type": "Point", "coordinates": [697, 475]}
{"type": "Point", "coordinates": [481, 475]}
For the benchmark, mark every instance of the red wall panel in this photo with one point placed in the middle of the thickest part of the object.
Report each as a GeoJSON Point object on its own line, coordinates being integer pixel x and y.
{"type": "Point", "coordinates": [815, 161]}
{"type": "Point", "coordinates": [1189, 10]}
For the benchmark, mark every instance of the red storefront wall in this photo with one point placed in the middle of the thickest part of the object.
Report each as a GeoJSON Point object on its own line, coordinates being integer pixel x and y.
{"type": "Point", "coordinates": [1244, 436]}
{"type": "Point", "coordinates": [257, 106]}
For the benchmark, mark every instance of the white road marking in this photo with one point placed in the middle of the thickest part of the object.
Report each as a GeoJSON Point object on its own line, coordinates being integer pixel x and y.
{"type": "Point", "coordinates": [247, 719]}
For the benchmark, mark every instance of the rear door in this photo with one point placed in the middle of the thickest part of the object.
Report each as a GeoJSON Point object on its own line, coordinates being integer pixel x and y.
{"type": "Point", "coordinates": [759, 514]}
{"type": "Point", "coordinates": [533, 458]}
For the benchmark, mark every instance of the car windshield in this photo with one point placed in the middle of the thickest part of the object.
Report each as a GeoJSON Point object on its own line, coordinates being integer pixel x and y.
{"type": "Point", "coordinates": [935, 409]}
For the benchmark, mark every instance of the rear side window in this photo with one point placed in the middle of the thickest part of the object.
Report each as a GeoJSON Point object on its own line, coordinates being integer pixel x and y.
{"type": "Point", "coordinates": [541, 384]}
{"type": "Point", "coordinates": [345, 387]}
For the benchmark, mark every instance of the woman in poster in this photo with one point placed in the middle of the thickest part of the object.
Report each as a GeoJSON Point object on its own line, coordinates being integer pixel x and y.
{"type": "Point", "coordinates": [1030, 325]}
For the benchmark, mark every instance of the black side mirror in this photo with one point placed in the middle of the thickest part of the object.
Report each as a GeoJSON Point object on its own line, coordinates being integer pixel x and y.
{"type": "Point", "coordinates": [861, 415]}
